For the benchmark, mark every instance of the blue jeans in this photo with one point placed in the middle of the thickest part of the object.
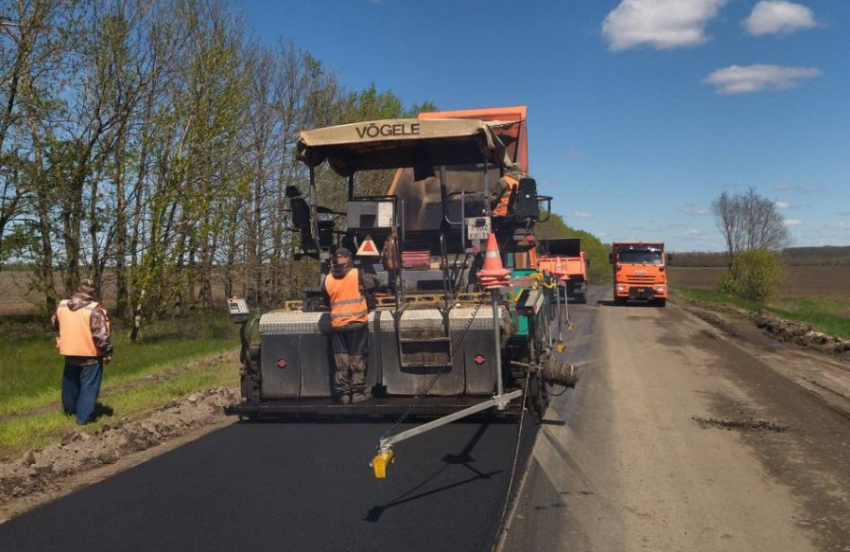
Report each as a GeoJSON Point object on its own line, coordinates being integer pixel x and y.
{"type": "Point", "coordinates": [80, 387]}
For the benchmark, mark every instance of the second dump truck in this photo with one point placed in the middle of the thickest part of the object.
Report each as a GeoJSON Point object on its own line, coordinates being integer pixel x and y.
{"type": "Point", "coordinates": [565, 255]}
{"type": "Point", "coordinates": [640, 272]}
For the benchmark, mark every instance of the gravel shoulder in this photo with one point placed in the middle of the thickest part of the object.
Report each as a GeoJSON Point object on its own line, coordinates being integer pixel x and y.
{"type": "Point", "coordinates": [682, 436]}
{"type": "Point", "coordinates": [819, 364]}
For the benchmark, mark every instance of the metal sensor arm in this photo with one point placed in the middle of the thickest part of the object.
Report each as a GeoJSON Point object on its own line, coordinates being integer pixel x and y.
{"type": "Point", "coordinates": [385, 453]}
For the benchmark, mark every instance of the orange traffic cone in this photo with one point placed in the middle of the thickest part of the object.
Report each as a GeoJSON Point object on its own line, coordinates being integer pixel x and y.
{"type": "Point", "coordinates": [494, 275]}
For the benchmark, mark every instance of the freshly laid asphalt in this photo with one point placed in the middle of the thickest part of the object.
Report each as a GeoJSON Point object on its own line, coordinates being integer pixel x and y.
{"type": "Point", "coordinates": [285, 486]}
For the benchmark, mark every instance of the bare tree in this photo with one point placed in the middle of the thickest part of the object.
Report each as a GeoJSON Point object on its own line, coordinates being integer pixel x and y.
{"type": "Point", "coordinates": [748, 222]}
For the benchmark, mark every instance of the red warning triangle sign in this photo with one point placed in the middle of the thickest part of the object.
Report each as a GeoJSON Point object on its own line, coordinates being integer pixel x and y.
{"type": "Point", "coordinates": [368, 248]}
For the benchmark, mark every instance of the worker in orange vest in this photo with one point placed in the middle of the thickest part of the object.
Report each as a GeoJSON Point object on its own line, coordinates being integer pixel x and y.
{"type": "Point", "coordinates": [502, 192]}
{"type": "Point", "coordinates": [85, 340]}
{"type": "Point", "coordinates": [346, 291]}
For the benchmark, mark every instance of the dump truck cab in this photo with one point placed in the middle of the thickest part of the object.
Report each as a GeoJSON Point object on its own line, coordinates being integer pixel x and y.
{"type": "Point", "coordinates": [640, 272]}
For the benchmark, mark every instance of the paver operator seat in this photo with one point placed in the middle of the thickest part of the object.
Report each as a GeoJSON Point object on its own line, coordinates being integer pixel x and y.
{"type": "Point", "coordinates": [301, 222]}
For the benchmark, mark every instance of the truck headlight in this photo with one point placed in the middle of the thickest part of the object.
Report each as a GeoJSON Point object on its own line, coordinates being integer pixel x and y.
{"type": "Point", "coordinates": [621, 288]}
{"type": "Point", "coordinates": [661, 288]}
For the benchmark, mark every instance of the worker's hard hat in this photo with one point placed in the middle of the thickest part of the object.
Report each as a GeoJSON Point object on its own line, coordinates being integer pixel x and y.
{"type": "Point", "coordinates": [342, 252]}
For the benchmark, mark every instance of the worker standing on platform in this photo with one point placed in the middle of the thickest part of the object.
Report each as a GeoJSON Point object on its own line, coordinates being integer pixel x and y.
{"type": "Point", "coordinates": [85, 340]}
{"type": "Point", "coordinates": [506, 186]}
{"type": "Point", "coordinates": [346, 290]}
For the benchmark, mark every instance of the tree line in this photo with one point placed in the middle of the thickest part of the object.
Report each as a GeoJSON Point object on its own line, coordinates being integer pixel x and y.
{"type": "Point", "coordinates": [148, 144]}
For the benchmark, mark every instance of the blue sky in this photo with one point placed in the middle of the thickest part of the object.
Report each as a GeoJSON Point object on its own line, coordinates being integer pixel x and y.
{"type": "Point", "coordinates": [641, 112]}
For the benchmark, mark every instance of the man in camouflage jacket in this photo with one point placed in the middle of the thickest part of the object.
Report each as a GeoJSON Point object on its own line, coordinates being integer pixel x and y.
{"type": "Point", "coordinates": [84, 339]}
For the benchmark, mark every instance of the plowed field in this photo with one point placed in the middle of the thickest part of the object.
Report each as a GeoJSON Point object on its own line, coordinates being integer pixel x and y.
{"type": "Point", "coordinates": [799, 281]}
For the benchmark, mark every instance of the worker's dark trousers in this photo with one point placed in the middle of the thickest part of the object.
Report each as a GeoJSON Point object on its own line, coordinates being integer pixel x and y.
{"type": "Point", "coordinates": [351, 350]}
{"type": "Point", "coordinates": [80, 387]}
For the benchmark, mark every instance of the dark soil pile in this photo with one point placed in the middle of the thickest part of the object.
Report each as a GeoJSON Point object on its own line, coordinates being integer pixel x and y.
{"type": "Point", "coordinates": [798, 333]}
{"type": "Point", "coordinates": [801, 334]}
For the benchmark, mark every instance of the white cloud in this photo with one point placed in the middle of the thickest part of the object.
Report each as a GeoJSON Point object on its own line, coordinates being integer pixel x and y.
{"type": "Point", "coordinates": [782, 205]}
{"type": "Point", "coordinates": [841, 225]}
{"type": "Point", "coordinates": [696, 212]}
{"type": "Point", "coordinates": [752, 78]}
{"type": "Point", "coordinates": [695, 234]}
{"type": "Point", "coordinates": [579, 215]}
{"type": "Point", "coordinates": [662, 24]}
{"type": "Point", "coordinates": [801, 189]}
{"type": "Point", "coordinates": [792, 222]}
{"type": "Point", "coordinates": [778, 16]}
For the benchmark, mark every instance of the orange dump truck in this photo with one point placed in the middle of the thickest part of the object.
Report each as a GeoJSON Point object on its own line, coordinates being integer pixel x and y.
{"type": "Point", "coordinates": [640, 272]}
{"type": "Point", "coordinates": [566, 253]}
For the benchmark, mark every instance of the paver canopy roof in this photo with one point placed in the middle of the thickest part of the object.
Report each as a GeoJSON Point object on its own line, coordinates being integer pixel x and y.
{"type": "Point", "coordinates": [399, 143]}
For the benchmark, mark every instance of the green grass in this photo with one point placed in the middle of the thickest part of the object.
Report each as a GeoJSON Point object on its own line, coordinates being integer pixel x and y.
{"type": "Point", "coordinates": [31, 367]}
{"type": "Point", "coordinates": [19, 434]}
{"type": "Point", "coordinates": [717, 298]}
{"type": "Point", "coordinates": [831, 315]}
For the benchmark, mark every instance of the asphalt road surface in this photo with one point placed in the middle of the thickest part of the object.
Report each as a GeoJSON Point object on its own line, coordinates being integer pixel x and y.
{"type": "Point", "coordinates": [677, 438]}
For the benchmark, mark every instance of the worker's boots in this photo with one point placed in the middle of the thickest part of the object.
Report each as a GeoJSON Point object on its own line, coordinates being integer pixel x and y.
{"type": "Point", "coordinates": [359, 392]}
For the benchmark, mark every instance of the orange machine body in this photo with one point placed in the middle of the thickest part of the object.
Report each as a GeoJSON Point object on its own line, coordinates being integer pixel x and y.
{"type": "Point", "coordinates": [513, 133]}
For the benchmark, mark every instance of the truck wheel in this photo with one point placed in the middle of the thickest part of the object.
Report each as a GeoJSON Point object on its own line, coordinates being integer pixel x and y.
{"type": "Point", "coordinates": [661, 302]}
{"type": "Point", "coordinates": [619, 301]}
{"type": "Point", "coordinates": [582, 298]}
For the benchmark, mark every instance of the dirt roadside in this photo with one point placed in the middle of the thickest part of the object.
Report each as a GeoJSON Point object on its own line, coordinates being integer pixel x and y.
{"type": "Point", "coordinates": [81, 459]}
{"type": "Point", "coordinates": [818, 363]}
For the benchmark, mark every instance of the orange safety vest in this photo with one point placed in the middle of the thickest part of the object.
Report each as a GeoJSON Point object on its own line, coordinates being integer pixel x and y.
{"type": "Point", "coordinates": [347, 303]}
{"type": "Point", "coordinates": [75, 337]}
{"type": "Point", "coordinates": [501, 209]}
